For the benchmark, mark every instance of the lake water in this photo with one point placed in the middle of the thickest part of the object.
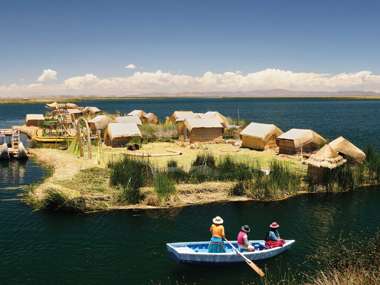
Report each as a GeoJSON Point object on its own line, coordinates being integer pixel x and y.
{"type": "Point", "coordinates": [129, 247]}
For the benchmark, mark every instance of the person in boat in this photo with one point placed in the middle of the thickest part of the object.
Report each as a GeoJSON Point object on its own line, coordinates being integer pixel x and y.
{"type": "Point", "coordinates": [242, 239]}
{"type": "Point", "coordinates": [216, 244]}
{"type": "Point", "coordinates": [273, 238]}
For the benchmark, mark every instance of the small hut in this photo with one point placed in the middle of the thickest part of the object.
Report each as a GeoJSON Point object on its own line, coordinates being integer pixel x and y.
{"type": "Point", "coordinates": [128, 119]}
{"type": "Point", "coordinates": [260, 136]}
{"type": "Point", "coordinates": [348, 150]}
{"type": "Point", "coordinates": [122, 134]}
{"type": "Point", "coordinates": [35, 120]}
{"type": "Point", "coordinates": [178, 118]}
{"type": "Point", "coordinates": [99, 123]}
{"type": "Point", "coordinates": [92, 111]}
{"type": "Point", "coordinates": [214, 114]}
{"type": "Point", "coordinates": [299, 141]}
{"type": "Point", "coordinates": [323, 161]}
{"type": "Point", "coordinates": [137, 113]}
{"type": "Point", "coordinates": [150, 118]}
{"type": "Point", "coordinates": [203, 130]}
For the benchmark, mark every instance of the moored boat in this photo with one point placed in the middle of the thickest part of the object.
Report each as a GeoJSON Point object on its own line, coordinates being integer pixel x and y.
{"type": "Point", "coordinates": [22, 153]}
{"type": "Point", "coordinates": [197, 252]}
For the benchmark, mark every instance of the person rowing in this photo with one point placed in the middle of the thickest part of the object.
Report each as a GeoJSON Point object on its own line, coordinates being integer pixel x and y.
{"type": "Point", "coordinates": [273, 239]}
{"type": "Point", "coordinates": [216, 244]}
{"type": "Point", "coordinates": [242, 239]}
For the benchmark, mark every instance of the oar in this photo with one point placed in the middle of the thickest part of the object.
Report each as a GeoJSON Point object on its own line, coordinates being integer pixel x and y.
{"type": "Point", "coordinates": [248, 261]}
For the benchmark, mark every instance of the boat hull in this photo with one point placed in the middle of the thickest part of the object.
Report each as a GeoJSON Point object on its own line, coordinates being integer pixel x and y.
{"type": "Point", "coordinates": [196, 252]}
{"type": "Point", "coordinates": [4, 152]}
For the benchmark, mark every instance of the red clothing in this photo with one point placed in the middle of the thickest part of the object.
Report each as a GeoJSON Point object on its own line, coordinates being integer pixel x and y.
{"type": "Point", "coordinates": [274, 243]}
{"type": "Point", "coordinates": [242, 238]}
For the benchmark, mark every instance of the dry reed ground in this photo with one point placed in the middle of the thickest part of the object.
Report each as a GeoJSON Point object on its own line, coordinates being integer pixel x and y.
{"type": "Point", "coordinates": [77, 177]}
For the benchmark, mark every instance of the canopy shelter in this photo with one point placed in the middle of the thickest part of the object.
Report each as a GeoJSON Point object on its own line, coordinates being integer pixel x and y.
{"type": "Point", "coordinates": [35, 120]}
{"type": "Point", "coordinates": [122, 134]}
{"type": "Point", "coordinates": [348, 150]}
{"type": "Point", "coordinates": [299, 140]}
{"type": "Point", "coordinates": [322, 161]}
{"type": "Point", "coordinates": [203, 130]}
{"type": "Point", "coordinates": [128, 119]}
{"type": "Point", "coordinates": [260, 136]}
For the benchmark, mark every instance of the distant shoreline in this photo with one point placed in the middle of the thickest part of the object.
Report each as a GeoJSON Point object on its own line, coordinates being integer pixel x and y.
{"type": "Point", "coordinates": [144, 97]}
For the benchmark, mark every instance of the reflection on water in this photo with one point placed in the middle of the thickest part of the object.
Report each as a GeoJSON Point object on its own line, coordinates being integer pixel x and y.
{"type": "Point", "coordinates": [12, 172]}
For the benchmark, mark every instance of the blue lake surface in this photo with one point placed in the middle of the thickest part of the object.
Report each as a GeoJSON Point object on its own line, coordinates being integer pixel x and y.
{"type": "Point", "coordinates": [129, 247]}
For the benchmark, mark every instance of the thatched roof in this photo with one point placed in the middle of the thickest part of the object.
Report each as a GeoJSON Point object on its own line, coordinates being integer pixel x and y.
{"type": "Point", "coordinates": [326, 157]}
{"type": "Point", "coordinates": [128, 119]}
{"type": "Point", "coordinates": [92, 110]}
{"type": "Point", "coordinates": [74, 111]}
{"type": "Point", "coordinates": [214, 114]}
{"type": "Point", "coordinates": [261, 131]}
{"type": "Point", "coordinates": [34, 117]}
{"type": "Point", "coordinates": [123, 130]}
{"type": "Point", "coordinates": [345, 147]}
{"type": "Point", "coordinates": [302, 136]}
{"type": "Point", "coordinates": [197, 123]}
{"type": "Point", "coordinates": [137, 113]}
{"type": "Point", "coordinates": [181, 116]}
{"type": "Point", "coordinates": [100, 122]}
{"type": "Point", "coordinates": [151, 118]}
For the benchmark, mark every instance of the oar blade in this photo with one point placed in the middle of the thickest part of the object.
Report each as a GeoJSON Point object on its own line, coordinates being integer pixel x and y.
{"type": "Point", "coordinates": [256, 268]}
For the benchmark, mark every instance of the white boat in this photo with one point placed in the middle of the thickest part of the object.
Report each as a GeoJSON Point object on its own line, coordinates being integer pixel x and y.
{"type": "Point", "coordinates": [22, 153]}
{"type": "Point", "coordinates": [4, 152]}
{"type": "Point", "coordinates": [197, 252]}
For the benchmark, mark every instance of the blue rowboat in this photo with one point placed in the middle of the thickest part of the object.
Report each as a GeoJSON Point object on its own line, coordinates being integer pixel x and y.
{"type": "Point", "coordinates": [197, 252]}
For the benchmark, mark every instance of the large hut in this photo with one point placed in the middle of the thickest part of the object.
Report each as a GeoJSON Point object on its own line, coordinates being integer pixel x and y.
{"type": "Point", "coordinates": [299, 141]}
{"type": "Point", "coordinates": [99, 123]}
{"type": "Point", "coordinates": [203, 130]}
{"type": "Point", "coordinates": [128, 119]}
{"type": "Point", "coordinates": [35, 120]}
{"type": "Point", "coordinates": [122, 134]}
{"type": "Point", "coordinates": [323, 161]}
{"type": "Point", "coordinates": [348, 150]}
{"type": "Point", "coordinates": [74, 113]}
{"type": "Point", "coordinates": [260, 136]}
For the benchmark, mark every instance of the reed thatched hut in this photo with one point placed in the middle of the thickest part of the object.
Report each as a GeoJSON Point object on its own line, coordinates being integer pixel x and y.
{"type": "Point", "coordinates": [178, 118]}
{"type": "Point", "coordinates": [89, 110]}
{"type": "Point", "coordinates": [122, 134]}
{"type": "Point", "coordinates": [128, 119]}
{"type": "Point", "coordinates": [348, 150]}
{"type": "Point", "coordinates": [137, 113]}
{"type": "Point", "coordinates": [150, 118]}
{"type": "Point", "coordinates": [35, 120]}
{"type": "Point", "coordinates": [322, 162]}
{"type": "Point", "coordinates": [99, 123]}
{"type": "Point", "coordinates": [299, 141]}
{"type": "Point", "coordinates": [260, 136]}
{"type": "Point", "coordinates": [203, 130]}
{"type": "Point", "coordinates": [74, 113]}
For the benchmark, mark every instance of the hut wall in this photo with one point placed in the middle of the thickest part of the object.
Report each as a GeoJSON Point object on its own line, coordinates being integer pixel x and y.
{"type": "Point", "coordinates": [119, 141]}
{"type": "Point", "coordinates": [288, 147]}
{"type": "Point", "coordinates": [205, 134]}
{"type": "Point", "coordinates": [180, 128]}
{"type": "Point", "coordinates": [316, 173]}
{"type": "Point", "coordinates": [257, 143]}
{"type": "Point", "coordinates": [34, 123]}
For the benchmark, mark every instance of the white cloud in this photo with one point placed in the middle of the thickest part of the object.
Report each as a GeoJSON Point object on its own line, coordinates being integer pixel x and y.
{"type": "Point", "coordinates": [166, 82]}
{"type": "Point", "coordinates": [47, 75]}
{"type": "Point", "coordinates": [131, 66]}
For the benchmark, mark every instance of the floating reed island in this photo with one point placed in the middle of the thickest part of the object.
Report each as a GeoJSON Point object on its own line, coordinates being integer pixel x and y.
{"type": "Point", "coordinates": [131, 160]}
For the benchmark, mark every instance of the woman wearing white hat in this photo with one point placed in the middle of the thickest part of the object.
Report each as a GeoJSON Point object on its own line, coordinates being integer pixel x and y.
{"type": "Point", "coordinates": [217, 234]}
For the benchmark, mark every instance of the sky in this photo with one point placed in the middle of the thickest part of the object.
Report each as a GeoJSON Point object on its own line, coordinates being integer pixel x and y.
{"type": "Point", "coordinates": [132, 47]}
